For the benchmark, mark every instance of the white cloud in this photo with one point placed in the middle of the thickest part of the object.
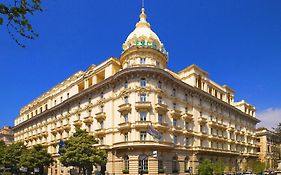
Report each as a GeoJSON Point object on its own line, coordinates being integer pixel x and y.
{"type": "Point", "coordinates": [269, 117]}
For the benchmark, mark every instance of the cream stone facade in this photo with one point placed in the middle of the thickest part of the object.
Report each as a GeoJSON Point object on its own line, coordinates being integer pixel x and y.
{"type": "Point", "coordinates": [121, 98]}
{"type": "Point", "coordinates": [269, 148]}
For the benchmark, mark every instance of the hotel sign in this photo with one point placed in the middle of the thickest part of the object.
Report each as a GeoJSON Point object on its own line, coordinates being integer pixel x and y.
{"type": "Point", "coordinates": [153, 45]}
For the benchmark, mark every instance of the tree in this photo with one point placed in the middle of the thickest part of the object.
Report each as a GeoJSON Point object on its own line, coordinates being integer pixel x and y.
{"type": "Point", "coordinates": [36, 157]}
{"type": "Point", "coordinates": [12, 156]}
{"type": "Point", "coordinates": [278, 131]}
{"type": "Point", "coordinates": [205, 168]}
{"type": "Point", "coordinates": [218, 168]}
{"type": "Point", "coordinates": [15, 15]}
{"type": "Point", "coordinates": [79, 151]}
{"type": "Point", "coordinates": [2, 152]}
{"type": "Point", "coordinates": [258, 167]}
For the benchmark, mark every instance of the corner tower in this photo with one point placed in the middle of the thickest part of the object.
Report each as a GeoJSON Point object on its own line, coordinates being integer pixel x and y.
{"type": "Point", "coordinates": [143, 47]}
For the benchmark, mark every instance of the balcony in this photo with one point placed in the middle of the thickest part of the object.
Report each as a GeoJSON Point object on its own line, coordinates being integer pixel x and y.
{"type": "Point", "coordinates": [142, 124]}
{"type": "Point", "coordinates": [231, 128]}
{"type": "Point", "coordinates": [202, 120]}
{"type": "Point", "coordinates": [176, 114]}
{"type": "Point", "coordinates": [216, 137]}
{"type": "Point", "coordinates": [125, 108]}
{"type": "Point", "coordinates": [101, 116]}
{"type": "Point", "coordinates": [54, 131]}
{"type": "Point", "coordinates": [187, 117]}
{"type": "Point", "coordinates": [161, 108]}
{"type": "Point", "coordinates": [67, 127]}
{"type": "Point", "coordinates": [77, 123]}
{"type": "Point", "coordinates": [187, 132]}
{"type": "Point", "coordinates": [143, 106]}
{"type": "Point", "coordinates": [161, 126]}
{"type": "Point", "coordinates": [123, 127]}
{"type": "Point", "coordinates": [217, 125]}
{"type": "Point", "coordinates": [45, 134]}
{"type": "Point", "coordinates": [177, 130]}
{"type": "Point", "coordinates": [60, 129]}
{"type": "Point", "coordinates": [88, 120]}
{"type": "Point", "coordinates": [100, 132]}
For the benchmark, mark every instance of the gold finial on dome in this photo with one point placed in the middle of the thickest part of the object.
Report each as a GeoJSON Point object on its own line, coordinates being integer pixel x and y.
{"type": "Point", "coordinates": [143, 21]}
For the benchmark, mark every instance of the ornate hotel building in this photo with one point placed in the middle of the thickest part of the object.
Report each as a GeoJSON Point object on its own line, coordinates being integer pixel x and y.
{"type": "Point", "coordinates": [120, 99]}
{"type": "Point", "coordinates": [269, 148]}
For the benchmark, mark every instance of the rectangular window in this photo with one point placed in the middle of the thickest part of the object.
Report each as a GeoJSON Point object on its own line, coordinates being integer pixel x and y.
{"type": "Point", "coordinates": [175, 139]}
{"type": "Point", "coordinates": [126, 100]}
{"type": "Point", "coordinates": [174, 92]}
{"type": "Point", "coordinates": [186, 125]}
{"type": "Point", "coordinates": [160, 118]}
{"type": "Point", "coordinates": [174, 122]}
{"type": "Point", "coordinates": [186, 97]}
{"type": "Point", "coordinates": [174, 106]}
{"type": "Point", "coordinates": [143, 135]}
{"type": "Point", "coordinates": [186, 141]}
{"type": "Point", "coordinates": [143, 82]}
{"type": "Point", "coordinates": [101, 124]}
{"type": "Point", "coordinates": [126, 118]}
{"type": "Point", "coordinates": [126, 85]}
{"type": "Point", "coordinates": [159, 100]}
{"type": "Point", "coordinates": [126, 137]}
{"type": "Point", "coordinates": [142, 60]}
{"type": "Point", "coordinates": [143, 97]}
{"type": "Point", "coordinates": [143, 116]}
{"type": "Point", "coordinates": [159, 85]}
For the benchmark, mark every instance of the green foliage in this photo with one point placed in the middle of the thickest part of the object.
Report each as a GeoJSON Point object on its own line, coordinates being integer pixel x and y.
{"type": "Point", "coordinates": [12, 155]}
{"type": "Point", "coordinates": [161, 171]}
{"type": "Point", "coordinates": [36, 157]}
{"type": "Point", "coordinates": [2, 151]}
{"type": "Point", "coordinates": [218, 168]}
{"type": "Point", "coordinates": [80, 152]}
{"type": "Point", "coordinates": [125, 171]}
{"type": "Point", "coordinates": [205, 168]}
{"type": "Point", "coordinates": [258, 167]}
{"type": "Point", "coordinates": [16, 16]}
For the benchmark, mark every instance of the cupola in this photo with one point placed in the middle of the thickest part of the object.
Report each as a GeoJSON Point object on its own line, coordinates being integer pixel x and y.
{"type": "Point", "coordinates": [143, 47]}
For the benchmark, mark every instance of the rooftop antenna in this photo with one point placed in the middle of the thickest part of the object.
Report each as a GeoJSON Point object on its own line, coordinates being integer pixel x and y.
{"type": "Point", "coordinates": [142, 3]}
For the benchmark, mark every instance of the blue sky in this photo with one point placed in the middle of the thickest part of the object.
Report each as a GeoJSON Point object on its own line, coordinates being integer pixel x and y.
{"type": "Point", "coordinates": [238, 42]}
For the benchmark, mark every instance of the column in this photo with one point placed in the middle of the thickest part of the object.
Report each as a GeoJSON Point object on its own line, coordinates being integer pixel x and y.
{"type": "Point", "coordinates": [134, 164]}
{"type": "Point", "coordinates": [194, 163]}
{"type": "Point", "coordinates": [153, 166]}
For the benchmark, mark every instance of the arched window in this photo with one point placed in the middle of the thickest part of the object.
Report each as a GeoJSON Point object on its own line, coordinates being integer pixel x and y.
{"type": "Point", "coordinates": [143, 164]}
{"type": "Point", "coordinates": [126, 163]}
{"type": "Point", "coordinates": [160, 165]}
{"type": "Point", "coordinates": [175, 165]}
